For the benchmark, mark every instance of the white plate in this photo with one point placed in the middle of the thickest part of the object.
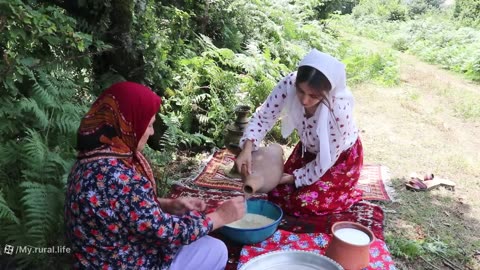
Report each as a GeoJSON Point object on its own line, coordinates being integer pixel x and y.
{"type": "Point", "coordinates": [291, 259]}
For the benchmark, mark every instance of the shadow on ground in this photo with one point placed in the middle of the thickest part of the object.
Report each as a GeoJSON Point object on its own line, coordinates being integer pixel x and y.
{"type": "Point", "coordinates": [431, 229]}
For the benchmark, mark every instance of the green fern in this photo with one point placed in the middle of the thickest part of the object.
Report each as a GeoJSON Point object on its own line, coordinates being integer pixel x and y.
{"type": "Point", "coordinates": [43, 92]}
{"type": "Point", "coordinates": [43, 208]}
{"type": "Point", "coordinates": [203, 119]}
{"type": "Point", "coordinates": [175, 137]}
{"type": "Point", "coordinates": [30, 105]}
{"type": "Point", "coordinates": [5, 212]}
{"type": "Point", "coordinates": [197, 99]}
{"type": "Point", "coordinates": [35, 148]}
{"type": "Point", "coordinates": [169, 139]}
{"type": "Point", "coordinates": [66, 122]}
{"type": "Point", "coordinates": [45, 88]}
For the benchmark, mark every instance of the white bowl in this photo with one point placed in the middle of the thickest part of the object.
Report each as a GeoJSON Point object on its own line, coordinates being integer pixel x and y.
{"type": "Point", "coordinates": [291, 259]}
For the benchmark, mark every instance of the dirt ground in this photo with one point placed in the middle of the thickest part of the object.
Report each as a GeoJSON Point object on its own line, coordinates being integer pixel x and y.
{"type": "Point", "coordinates": [422, 126]}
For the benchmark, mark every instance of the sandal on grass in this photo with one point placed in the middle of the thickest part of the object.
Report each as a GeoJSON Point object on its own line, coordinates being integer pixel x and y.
{"type": "Point", "coordinates": [416, 184]}
{"type": "Point", "coordinates": [431, 180]}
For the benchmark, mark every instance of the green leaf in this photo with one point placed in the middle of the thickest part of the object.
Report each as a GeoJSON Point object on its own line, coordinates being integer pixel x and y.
{"type": "Point", "coordinates": [53, 40]}
{"type": "Point", "coordinates": [29, 61]}
{"type": "Point", "coordinates": [10, 85]}
{"type": "Point", "coordinates": [16, 32]}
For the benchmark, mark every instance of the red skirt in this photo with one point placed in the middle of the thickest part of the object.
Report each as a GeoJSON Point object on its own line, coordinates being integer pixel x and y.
{"type": "Point", "coordinates": [334, 192]}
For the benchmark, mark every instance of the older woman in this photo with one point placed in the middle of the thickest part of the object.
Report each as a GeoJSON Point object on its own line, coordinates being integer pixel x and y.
{"type": "Point", "coordinates": [113, 217]}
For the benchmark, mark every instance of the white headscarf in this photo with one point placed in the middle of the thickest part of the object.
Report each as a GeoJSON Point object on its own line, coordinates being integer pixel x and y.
{"type": "Point", "coordinates": [333, 141]}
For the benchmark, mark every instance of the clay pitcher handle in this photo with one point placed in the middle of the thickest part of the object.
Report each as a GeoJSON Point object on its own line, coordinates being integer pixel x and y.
{"type": "Point", "coordinates": [244, 172]}
{"type": "Point", "coordinates": [246, 186]}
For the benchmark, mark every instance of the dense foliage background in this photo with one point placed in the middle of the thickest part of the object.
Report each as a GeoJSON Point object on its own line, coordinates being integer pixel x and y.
{"type": "Point", "coordinates": [203, 57]}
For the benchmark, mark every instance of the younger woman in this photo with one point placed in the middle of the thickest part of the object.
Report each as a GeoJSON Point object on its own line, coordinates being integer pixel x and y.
{"type": "Point", "coordinates": [321, 174]}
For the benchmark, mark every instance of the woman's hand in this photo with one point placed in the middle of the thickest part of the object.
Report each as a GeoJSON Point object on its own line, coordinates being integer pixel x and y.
{"type": "Point", "coordinates": [245, 158]}
{"type": "Point", "coordinates": [182, 205]}
{"type": "Point", "coordinates": [287, 179]}
{"type": "Point", "coordinates": [228, 212]}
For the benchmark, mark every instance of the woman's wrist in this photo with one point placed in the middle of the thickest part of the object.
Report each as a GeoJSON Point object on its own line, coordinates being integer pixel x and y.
{"type": "Point", "coordinates": [248, 146]}
{"type": "Point", "coordinates": [216, 220]}
{"type": "Point", "coordinates": [287, 179]}
{"type": "Point", "coordinates": [165, 203]}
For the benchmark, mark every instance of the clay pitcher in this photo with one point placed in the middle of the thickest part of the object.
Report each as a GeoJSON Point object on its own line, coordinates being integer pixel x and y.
{"type": "Point", "coordinates": [350, 245]}
{"type": "Point", "coordinates": [267, 170]}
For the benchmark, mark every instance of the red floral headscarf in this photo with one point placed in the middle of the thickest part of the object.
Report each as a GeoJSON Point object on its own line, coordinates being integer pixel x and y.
{"type": "Point", "coordinates": [115, 123]}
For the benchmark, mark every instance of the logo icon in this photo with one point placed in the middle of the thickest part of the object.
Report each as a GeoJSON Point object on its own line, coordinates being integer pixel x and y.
{"type": "Point", "coordinates": [8, 249]}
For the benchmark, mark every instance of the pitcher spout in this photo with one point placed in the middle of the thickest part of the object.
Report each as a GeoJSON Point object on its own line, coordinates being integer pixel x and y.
{"type": "Point", "coordinates": [253, 183]}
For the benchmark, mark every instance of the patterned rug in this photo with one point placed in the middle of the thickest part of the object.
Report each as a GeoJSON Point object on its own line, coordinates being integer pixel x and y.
{"type": "Point", "coordinates": [363, 212]}
{"type": "Point", "coordinates": [374, 179]}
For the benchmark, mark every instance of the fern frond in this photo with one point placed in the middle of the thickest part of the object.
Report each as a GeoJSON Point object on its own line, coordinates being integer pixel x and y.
{"type": "Point", "coordinates": [10, 158]}
{"type": "Point", "coordinates": [199, 98]}
{"type": "Point", "coordinates": [57, 165]}
{"type": "Point", "coordinates": [203, 119]}
{"type": "Point", "coordinates": [35, 147]}
{"type": "Point", "coordinates": [43, 207]}
{"type": "Point", "coordinates": [66, 123]}
{"type": "Point", "coordinates": [168, 140]}
{"type": "Point", "coordinates": [199, 138]}
{"type": "Point", "coordinates": [49, 83]}
{"type": "Point", "coordinates": [17, 235]}
{"type": "Point", "coordinates": [14, 234]}
{"type": "Point", "coordinates": [67, 88]}
{"type": "Point", "coordinates": [50, 168]}
{"type": "Point", "coordinates": [30, 105]}
{"type": "Point", "coordinates": [5, 212]}
{"type": "Point", "coordinates": [43, 95]}
{"type": "Point", "coordinates": [187, 121]}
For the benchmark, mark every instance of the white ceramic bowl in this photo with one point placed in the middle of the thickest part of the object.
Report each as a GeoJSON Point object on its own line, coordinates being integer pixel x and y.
{"type": "Point", "coordinates": [291, 259]}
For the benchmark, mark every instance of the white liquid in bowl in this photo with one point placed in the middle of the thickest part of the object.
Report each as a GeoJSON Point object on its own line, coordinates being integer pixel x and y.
{"type": "Point", "coordinates": [251, 221]}
{"type": "Point", "coordinates": [352, 236]}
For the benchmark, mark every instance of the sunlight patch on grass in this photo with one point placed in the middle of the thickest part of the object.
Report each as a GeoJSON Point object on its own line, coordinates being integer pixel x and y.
{"type": "Point", "coordinates": [466, 104]}
{"type": "Point", "coordinates": [463, 164]}
{"type": "Point", "coordinates": [413, 95]}
{"type": "Point", "coordinates": [410, 105]}
{"type": "Point", "coordinates": [439, 109]}
{"type": "Point", "coordinates": [469, 107]}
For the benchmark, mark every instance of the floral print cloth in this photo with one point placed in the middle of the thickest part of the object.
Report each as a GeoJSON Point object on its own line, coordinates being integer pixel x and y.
{"type": "Point", "coordinates": [114, 221]}
{"type": "Point", "coordinates": [334, 192]}
{"type": "Point", "coordinates": [380, 258]}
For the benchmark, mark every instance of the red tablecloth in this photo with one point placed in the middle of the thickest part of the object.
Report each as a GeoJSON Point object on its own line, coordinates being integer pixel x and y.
{"type": "Point", "coordinates": [380, 258]}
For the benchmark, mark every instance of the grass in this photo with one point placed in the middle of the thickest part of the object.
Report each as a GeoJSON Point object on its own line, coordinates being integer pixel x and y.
{"type": "Point", "coordinates": [421, 129]}
{"type": "Point", "coordinates": [431, 227]}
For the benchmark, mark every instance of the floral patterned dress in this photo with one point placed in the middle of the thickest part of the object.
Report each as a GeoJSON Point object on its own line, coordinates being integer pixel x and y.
{"type": "Point", "coordinates": [334, 192]}
{"type": "Point", "coordinates": [114, 220]}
